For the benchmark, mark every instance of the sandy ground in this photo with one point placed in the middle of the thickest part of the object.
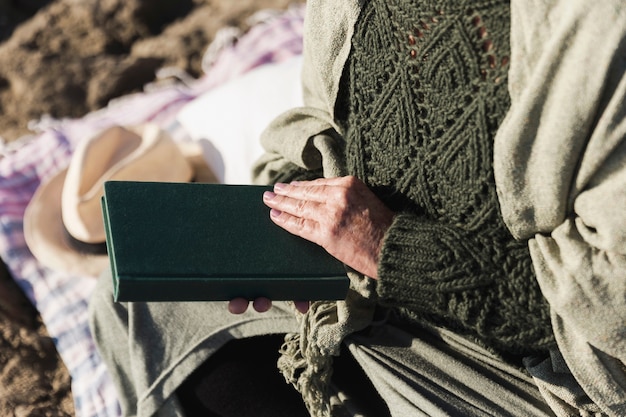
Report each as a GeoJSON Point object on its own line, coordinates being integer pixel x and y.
{"type": "Point", "coordinates": [33, 379]}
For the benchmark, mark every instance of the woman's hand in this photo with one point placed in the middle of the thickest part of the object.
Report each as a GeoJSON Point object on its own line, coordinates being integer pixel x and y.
{"type": "Point", "coordinates": [261, 305]}
{"type": "Point", "coordinates": [340, 214]}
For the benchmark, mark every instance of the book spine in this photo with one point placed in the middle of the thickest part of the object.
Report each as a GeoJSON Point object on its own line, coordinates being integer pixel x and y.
{"type": "Point", "coordinates": [224, 289]}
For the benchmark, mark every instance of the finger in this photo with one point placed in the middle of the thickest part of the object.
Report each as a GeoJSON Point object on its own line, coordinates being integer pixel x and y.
{"type": "Point", "coordinates": [300, 226]}
{"type": "Point", "coordinates": [262, 304]}
{"type": "Point", "coordinates": [308, 191]}
{"type": "Point", "coordinates": [294, 206]}
{"type": "Point", "coordinates": [322, 181]}
{"type": "Point", "coordinates": [302, 306]}
{"type": "Point", "coordinates": [238, 305]}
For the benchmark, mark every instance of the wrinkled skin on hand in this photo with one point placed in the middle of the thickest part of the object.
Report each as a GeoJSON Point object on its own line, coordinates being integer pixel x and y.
{"type": "Point", "coordinates": [340, 214]}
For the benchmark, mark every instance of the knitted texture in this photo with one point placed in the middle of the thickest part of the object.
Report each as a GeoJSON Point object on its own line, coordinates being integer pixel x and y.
{"type": "Point", "coordinates": [424, 91]}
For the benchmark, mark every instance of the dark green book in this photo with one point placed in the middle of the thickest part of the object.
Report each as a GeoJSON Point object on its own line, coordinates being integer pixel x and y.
{"type": "Point", "coordinates": [209, 242]}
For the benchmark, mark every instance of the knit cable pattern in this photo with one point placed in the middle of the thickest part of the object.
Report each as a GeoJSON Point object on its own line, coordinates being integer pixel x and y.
{"type": "Point", "coordinates": [423, 95]}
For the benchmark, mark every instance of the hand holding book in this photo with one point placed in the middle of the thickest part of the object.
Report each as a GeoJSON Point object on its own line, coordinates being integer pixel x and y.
{"type": "Point", "coordinates": [209, 242]}
{"type": "Point", "coordinates": [340, 214]}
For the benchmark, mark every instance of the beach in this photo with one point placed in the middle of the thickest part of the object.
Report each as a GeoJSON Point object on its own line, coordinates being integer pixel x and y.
{"type": "Point", "coordinates": [64, 59]}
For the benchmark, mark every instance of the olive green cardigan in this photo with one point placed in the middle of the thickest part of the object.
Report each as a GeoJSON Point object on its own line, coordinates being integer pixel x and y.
{"type": "Point", "coordinates": [560, 169]}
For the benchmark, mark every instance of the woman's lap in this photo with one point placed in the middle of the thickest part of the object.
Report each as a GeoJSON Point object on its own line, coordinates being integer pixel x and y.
{"type": "Point", "coordinates": [437, 373]}
{"type": "Point", "coordinates": [151, 348]}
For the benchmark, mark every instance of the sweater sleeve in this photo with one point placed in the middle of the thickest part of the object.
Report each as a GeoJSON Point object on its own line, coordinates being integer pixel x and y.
{"type": "Point", "coordinates": [309, 137]}
{"type": "Point", "coordinates": [479, 283]}
{"type": "Point", "coordinates": [292, 172]}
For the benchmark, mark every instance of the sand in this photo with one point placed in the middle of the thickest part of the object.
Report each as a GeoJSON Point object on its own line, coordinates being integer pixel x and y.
{"type": "Point", "coordinates": [136, 37]}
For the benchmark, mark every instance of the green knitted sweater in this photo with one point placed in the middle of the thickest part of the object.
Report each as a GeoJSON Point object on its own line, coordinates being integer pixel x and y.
{"type": "Point", "coordinates": [421, 98]}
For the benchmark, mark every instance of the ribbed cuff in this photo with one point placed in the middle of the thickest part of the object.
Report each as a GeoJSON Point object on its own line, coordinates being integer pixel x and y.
{"type": "Point", "coordinates": [421, 261]}
{"type": "Point", "coordinates": [476, 281]}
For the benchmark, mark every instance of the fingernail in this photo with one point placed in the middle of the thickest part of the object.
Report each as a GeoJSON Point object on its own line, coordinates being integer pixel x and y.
{"type": "Point", "coordinates": [279, 186]}
{"type": "Point", "coordinates": [268, 195]}
{"type": "Point", "coordinates": [275, 213]}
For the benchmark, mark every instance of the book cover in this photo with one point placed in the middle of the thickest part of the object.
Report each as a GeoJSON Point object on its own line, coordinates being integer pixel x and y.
{"type": "Point", "coordinates": [209, 242]}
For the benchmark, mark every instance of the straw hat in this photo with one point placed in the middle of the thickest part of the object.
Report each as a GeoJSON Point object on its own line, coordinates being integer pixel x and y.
{"type": "Point", "coordinates": [63, 223]}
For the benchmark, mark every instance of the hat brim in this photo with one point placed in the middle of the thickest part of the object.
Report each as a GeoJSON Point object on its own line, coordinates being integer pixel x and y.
{"type": "Point", "coordinates": [47, 238]}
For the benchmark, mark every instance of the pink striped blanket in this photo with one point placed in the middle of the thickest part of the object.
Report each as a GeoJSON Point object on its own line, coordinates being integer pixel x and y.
{"type": "Point", "coordinates": [60, 298]}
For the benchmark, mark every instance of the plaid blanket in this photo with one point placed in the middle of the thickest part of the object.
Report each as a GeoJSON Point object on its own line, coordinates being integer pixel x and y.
{"type": "Point", "coordinates": [60, 298]}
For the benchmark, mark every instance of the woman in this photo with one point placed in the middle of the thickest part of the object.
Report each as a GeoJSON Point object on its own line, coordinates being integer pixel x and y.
{"type": "Point", "coordinates": [466, 187]}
